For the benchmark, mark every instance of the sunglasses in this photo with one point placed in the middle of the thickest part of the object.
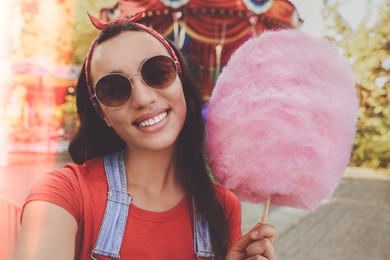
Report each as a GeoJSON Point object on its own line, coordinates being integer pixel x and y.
{"type": "Point", "coordinates": [115, 89]}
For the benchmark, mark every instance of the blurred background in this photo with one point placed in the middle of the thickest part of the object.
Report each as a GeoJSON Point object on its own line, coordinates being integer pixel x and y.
{"type": "Point", "coordinates": [43, 43]}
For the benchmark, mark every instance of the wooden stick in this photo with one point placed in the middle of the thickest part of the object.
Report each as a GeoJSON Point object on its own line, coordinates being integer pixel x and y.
{"type": "Point", "coordinates": [265, 212]}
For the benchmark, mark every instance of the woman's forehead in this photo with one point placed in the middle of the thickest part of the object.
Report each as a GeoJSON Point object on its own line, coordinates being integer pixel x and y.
{"type": "Point", "coordinates": [125, 52]}
{"type": "Point", "coordinates": [132, 42]}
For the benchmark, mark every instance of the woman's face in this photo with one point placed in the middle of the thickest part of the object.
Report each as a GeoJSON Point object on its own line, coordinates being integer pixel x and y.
{"type": "Point", "coordinates": [153, 118]}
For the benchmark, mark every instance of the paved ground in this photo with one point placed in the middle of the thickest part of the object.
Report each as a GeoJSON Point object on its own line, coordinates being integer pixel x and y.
{"type": "Point", "coordinates": [354, 224]}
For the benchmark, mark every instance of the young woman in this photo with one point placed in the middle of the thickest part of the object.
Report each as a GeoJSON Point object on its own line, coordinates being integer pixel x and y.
{"type": "Point", "coordinates": [138, 187]}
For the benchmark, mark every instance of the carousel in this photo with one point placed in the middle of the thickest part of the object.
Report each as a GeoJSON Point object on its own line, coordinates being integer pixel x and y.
{"type": "Point", "coordinates": [208, 32]}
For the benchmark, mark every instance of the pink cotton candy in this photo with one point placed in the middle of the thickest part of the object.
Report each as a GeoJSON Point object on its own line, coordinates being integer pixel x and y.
{"type": "Point", "coordinates": [282, 120]}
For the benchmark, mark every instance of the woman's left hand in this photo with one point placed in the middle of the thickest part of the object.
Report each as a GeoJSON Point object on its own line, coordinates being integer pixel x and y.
{"type": "Point", "coordinates": [256, 244]}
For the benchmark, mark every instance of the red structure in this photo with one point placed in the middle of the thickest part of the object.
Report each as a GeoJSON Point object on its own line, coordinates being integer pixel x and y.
{"type": "Point", "coordinates": [209, 31]}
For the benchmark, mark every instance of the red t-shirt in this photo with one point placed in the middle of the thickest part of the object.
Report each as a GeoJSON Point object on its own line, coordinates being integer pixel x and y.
{"type": "Point", "coordinates": [82, 191]}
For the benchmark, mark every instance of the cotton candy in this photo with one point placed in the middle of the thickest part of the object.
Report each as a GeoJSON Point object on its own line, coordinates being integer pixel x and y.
{"type": "Point", "coordinates": [281, 120]}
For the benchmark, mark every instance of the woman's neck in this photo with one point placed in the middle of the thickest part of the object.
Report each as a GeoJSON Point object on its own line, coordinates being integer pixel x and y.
{"type": "Point", "coordinates": [153, 178]}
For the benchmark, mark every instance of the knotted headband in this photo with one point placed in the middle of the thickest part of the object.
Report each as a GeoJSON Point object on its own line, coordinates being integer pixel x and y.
{"type": "Point", "coordinates": [101, 26]}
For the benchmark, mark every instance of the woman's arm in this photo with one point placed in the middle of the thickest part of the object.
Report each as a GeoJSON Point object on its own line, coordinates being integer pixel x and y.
{"type": "Point", "coordinates": [48, 232]}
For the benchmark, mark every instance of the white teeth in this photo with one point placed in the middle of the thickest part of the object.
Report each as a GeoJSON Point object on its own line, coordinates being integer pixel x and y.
{"type": "Point", "coordinates": [154, 120]}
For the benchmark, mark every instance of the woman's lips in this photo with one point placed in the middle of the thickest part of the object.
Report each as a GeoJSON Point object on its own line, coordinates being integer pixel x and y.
{"type": "Point", "coordinates": [151, 120]}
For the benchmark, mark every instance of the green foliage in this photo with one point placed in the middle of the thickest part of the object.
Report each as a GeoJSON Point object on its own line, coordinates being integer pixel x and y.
{"type": "Point", "coordinates": [69, 110]}
{"type": "Point", "coordinates": [84, 31]}
{"type": "Point", "coordinates": [69, 107]}
{"type": "Point", "coordinates": [368, 50]}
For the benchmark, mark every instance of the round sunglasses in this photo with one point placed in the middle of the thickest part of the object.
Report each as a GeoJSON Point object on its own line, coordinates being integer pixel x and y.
{"type": "Point", "coordinates": [115, 89]}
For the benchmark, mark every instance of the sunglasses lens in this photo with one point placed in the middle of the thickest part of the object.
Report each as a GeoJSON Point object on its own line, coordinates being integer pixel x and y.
{"type": "Point", "coordinates": [159, 72]}
{"type": "Point", "coordinates": [113, 90]}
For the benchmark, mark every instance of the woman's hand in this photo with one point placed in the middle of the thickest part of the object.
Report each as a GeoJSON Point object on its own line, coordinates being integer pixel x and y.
{"type": "Point", "coordinates": [256, 244]}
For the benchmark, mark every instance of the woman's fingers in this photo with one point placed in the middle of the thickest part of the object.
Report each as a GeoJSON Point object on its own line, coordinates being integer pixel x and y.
{"type": "Point", "coordinates": [256, 243]}
{"type": "Point", "coordinates": [256, 257]}
{"type": "Point", "coordinates": [263, 231]}
{"type": "Point", "coordinates": [262, 247]}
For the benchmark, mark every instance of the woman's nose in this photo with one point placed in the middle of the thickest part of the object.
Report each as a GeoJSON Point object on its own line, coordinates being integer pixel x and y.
{"type": "Point", "coordinates": [143, 95]}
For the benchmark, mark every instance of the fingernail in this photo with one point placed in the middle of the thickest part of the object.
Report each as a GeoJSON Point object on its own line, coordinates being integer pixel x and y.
{"type": "Point", "coordinates": [255, 234]}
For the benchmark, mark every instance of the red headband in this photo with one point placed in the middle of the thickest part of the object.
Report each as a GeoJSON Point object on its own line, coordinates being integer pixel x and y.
{"type": "Point", "coordinates": [101, 26]}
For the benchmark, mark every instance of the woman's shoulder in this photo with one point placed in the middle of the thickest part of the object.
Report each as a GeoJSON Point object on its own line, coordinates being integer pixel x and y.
{"type": "Point", "coordinates": [67, 186]}
{"type": "Point", "coordinates": [226, 197]}
{"type": "Point", "coordinates": [73, 173]}
{"type": "Point", "coordinates": [88, 167]}
{"type": "Point", "coordinates": [232, 208]}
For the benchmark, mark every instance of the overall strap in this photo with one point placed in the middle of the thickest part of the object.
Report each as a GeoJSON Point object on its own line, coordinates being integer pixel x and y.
{"type": "Point", "coordinates": [202, 238]}
{"type": "Point", "coordinates": [111, 232]}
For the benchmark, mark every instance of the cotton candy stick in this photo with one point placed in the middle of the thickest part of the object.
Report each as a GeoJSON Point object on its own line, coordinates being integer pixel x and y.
{"type": "Point", "coordinates": [265, 212]}
{"type": "Point", "coordinates": [282, 119]}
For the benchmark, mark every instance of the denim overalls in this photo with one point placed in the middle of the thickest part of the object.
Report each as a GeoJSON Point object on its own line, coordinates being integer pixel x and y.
{"type": "Point", "coordinates": [111, 232]}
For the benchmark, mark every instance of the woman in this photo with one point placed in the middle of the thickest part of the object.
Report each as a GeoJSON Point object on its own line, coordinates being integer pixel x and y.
{"type": "Point", "coordinates": [139, 188]}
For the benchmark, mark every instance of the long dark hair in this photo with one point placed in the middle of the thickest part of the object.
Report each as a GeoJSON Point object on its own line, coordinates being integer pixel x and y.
{"type": "Point", "coordinates": [95, 139]}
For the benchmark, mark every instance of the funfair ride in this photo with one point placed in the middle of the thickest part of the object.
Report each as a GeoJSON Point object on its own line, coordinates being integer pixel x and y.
{"type": "Point", "coordinates": [208, 32]}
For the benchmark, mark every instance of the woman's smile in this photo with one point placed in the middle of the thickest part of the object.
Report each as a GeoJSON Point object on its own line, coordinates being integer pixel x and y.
{"type": "Point", "coordinates": [152, 121]}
